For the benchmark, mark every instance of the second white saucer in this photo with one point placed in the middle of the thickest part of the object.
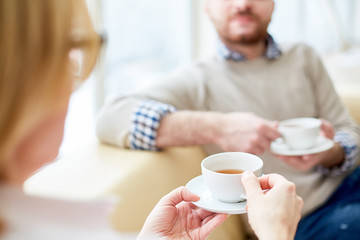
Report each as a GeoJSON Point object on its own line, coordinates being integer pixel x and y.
{"type": "Point", "coordinates": [209, 203]}
{"type": "Point", "coordinates": [280, 147]}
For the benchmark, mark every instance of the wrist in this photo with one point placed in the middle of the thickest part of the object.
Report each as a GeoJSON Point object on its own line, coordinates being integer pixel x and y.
{"type": "Point", "coordinates": [335, 156]}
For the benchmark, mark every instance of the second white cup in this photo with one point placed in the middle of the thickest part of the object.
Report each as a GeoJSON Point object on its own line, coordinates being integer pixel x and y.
{"type": "Point", "coordinates": [300, 133]}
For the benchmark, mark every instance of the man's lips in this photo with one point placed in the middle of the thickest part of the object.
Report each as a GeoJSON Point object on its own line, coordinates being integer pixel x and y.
{"type": "Point", "coordinates": [243, 18]}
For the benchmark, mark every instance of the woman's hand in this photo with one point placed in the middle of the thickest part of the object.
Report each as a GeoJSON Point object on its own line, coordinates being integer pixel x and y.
{"type": "Point", "coordinates": [175, 217]}
{"type": "Point", "coordinates": [273, 214]}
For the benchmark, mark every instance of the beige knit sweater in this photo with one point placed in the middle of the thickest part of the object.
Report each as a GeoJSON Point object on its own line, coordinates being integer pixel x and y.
{"type": "Point", "coordinates": [295, 85]}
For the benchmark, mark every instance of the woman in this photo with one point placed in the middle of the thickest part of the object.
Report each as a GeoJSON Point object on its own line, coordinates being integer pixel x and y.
{"type": "Point", "coordinates": [47, 48]}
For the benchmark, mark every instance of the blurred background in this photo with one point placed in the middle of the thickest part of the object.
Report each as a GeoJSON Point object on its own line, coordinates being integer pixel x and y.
{"type": "Point", "coordinates": [147, 39]}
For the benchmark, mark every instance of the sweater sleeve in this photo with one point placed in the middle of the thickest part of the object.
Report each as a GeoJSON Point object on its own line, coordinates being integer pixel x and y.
{"type": "Point", "coordinates": [114, 121]}
{"type": "Point", "coordinates": [183, 90]}
{"type": "Point", "coordinates": [330, 107]}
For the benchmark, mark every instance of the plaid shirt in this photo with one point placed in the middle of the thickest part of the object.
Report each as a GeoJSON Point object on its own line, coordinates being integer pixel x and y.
{"type": "Point", "coordinates": [147, 116]}
{"type": "Point", "coordinates": [272, 51]}
{"type": "Point", "coordinates": [145, 122]}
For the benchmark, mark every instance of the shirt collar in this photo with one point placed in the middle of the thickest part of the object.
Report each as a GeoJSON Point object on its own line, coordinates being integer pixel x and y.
{"type": "Point", "coordinates": [272, 51]}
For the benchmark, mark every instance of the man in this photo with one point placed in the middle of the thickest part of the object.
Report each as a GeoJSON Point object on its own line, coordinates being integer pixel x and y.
{"type": "Point", "coordinates": [233, 102]}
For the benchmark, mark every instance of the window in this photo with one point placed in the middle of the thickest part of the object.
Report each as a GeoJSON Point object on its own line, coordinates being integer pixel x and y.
{"type": "Point", "coordinates": [146, 39]}
{"type": "Point", "coordinates": [327, 25]}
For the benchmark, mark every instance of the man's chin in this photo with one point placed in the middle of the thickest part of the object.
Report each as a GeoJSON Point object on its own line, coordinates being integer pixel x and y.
{"type": "Point", "coordinates": [247, 39]}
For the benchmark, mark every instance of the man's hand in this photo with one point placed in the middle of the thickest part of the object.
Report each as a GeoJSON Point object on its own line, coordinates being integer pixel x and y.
{"type": "Point", "coordinates": [246, 132]}
{"type": "Point", "coordinates": [329, 158]}
{"type": "Point", "coordinates": [236, 132]}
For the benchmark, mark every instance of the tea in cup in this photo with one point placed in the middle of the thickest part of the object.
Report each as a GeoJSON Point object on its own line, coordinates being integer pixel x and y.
{"type": "Point", "coordinates": [300, 133]}
{"type": "Point", "coordinates": [222, 174]}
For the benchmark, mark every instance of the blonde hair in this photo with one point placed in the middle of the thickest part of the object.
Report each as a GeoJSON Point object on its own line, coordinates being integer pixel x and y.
{"type": "Point", "coordinates": [36, 38]}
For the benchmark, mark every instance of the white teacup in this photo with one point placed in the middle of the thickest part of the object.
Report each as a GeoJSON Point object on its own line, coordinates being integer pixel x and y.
{"type": "Point", "coordinates": [300, 133]}
{"type": "Point", "coordinates": [227, 187]}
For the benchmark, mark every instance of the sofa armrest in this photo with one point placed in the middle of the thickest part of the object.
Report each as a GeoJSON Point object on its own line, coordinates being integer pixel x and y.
{"type": "Point", "coordinates": [351, 99]}
{"type": "Point", "coordinates": [345, 76]}
{"type": "Point", "coordinates": [138, 178]}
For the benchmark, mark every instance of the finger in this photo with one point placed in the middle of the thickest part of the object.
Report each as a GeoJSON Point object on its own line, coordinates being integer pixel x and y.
{"type": "Point", "coordinates": [211, 223]}
{"type": "Point", "coordinates": [327, 129]}
{"type": "Point", "coordinates": [178, 195]}
{"type": "Point", "coordinates": [308, 158]}
{"type": "Point", "coordinates": [264, 143]}
{"type": "Point", "coordinates": [204, 213]}
{"type": "Point", "coordinates": [270, 130]}
{"type": "Point", "coordinates": [212, 216]}
{"type": "Point", "coordinates": [300, 202]}
{"type": "Point", "coordinates": [264, 182]}
{"type": "Point", "coordinates": [271, 180]}
{"type": "Point", "coordinates": [251, 185]}
{"type": "Point", "coordinates": [193, 206]}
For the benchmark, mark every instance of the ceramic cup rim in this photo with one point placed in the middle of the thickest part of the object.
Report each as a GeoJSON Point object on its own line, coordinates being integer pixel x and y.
{"type": "Point", "coordinates": [259, 163]}
{"type": "Point", "coordinates": [306, 123]}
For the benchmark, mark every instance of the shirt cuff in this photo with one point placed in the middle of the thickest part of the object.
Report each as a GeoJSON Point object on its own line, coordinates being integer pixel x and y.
{"type": "Point", "coordinates": [145, 123]}
{"type": "Point", "coordinates": [351, 151]}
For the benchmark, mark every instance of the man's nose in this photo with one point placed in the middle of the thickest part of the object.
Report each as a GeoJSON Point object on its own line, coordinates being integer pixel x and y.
{"type": "Point", "coordinates": [242, 4]}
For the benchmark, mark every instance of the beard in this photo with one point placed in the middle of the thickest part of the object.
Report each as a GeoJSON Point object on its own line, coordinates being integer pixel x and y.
{"type": "Point", "coordinates": [258, 34]}
{"type": "Point", "coordinates": [248, 39]}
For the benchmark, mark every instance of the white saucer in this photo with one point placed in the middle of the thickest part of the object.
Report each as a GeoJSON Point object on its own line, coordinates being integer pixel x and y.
{"type": "Point", "coordinates": [209, 203]}
{"type": "Point", "coordinates": [280, 147]}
